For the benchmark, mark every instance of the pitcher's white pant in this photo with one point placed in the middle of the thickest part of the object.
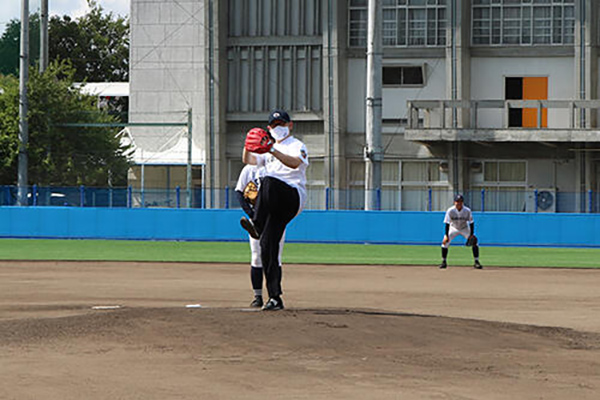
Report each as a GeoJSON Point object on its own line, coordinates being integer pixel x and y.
{"type": "Point", "coordinates": [453, 232]}
{"type": "Point", "coordinates": [255, 249]}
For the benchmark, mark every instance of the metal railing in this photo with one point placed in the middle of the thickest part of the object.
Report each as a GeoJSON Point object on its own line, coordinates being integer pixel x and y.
{"type": "Point", "coordinates": [441, 106]}
{"type": "Point", "coordinates": [318, 198]}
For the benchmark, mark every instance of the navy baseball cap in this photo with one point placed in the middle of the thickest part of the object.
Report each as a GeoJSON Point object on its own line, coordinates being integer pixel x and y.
{"type": "Point", "coordinates": [279, 115]}
{"type": "Point", "coordinates": [459, 197]}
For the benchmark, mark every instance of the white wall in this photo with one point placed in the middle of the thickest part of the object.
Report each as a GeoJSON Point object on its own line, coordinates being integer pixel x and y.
{"type": "Point", "coordinates": [541, 174]}
{"type": "Point", "coordinates": [167, 64]}
{"type": "Point", "coordinates": [487, 83]}
{"type": "Point", "coordinates": [394, 99]}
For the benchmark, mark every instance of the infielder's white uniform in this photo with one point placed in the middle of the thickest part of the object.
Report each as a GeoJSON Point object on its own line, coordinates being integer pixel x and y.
{"type": "Point", "coordinates": [254, 173]}
{"type": "Point", "coordinates": [459, 222]}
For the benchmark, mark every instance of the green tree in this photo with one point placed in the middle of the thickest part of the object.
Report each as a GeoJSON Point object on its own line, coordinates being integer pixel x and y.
{"type": "Point", "coordinates": [10, 43]}
{"type": "Point", "coordinates": [97, 44]}
{"type": "Point", "coordinates": [59, 155]}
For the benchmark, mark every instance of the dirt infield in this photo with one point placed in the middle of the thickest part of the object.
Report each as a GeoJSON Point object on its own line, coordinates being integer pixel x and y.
{"type": "Point", "coordinates": [349, 332]}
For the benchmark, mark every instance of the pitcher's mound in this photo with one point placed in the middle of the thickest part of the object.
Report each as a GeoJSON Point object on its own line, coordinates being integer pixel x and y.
{"type": "Point", "coordinates": [204, 353]}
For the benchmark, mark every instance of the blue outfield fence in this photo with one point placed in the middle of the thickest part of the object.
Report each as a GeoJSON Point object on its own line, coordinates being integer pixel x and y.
{"type": "Point", "coordinates": [319, 198]}
{"type": "Point", "coordinates": [392, 227]}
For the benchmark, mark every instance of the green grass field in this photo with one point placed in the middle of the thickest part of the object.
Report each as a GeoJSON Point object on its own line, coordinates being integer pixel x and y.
{"type": "Point", "coordinates": [295, 253]}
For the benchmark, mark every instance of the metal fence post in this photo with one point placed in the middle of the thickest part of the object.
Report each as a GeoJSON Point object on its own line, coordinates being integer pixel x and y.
{"type": "Point", "coordinates": [227, 197]}
{"type": "Point", "coordinates": [482, 200]}
{"type": "Point", "coordinates": [327, 193]}
{"type": "Point", "coordinates": [34, 195]}
{"type": "Point", "coordinates": [590, 201]}
{"type": "Point", "coordinates": [110, 197]}
{"type": "Point", "coordinates": [535, 200]}
{"type": "Point", "coordinates": [129, 197]}
{"type": "Point", "coordinates": [177, 197]}
{"type": "Point", "coordinates": [429, 194]}
{"type": "Point", "coordinates": [378, 193]}
{"type": "Point", "coordinates": [81, 196]}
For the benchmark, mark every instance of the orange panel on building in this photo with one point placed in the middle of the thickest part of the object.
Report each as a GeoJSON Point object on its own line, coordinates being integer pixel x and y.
{"type": "Point", "coordinates": [535, 88]}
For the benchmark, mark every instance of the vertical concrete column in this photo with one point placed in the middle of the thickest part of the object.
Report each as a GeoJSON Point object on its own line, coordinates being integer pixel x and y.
{"type": "Point", "coordinates": [586, 88]}
{"type": "Point", "coordinates": [458, 80]}
{"type": "Point", "coordinates": [212, 74]}
{"type": "Point", "coordinates": [592, 42]}
{"type": "Point", "coordinates": [586, 58]}
{"type": "Point", "coordinates": [458, 59]}
{"type": "Point", "coordinates": [220, 98]}
{"type": "Point", "coordinates": [335, 81]}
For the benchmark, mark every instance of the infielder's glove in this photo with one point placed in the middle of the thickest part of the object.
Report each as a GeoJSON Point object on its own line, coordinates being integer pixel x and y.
{"type": "Point", "coordinates": [258, 141]}
{"type": "Point", "coordinates": [251, 193]}
{"type": "Point", "coordinates": [471, 241]}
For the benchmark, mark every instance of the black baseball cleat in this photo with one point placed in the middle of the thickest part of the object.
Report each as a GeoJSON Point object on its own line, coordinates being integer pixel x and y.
{"type": "Point", "coordinates": [477, 265]}
{"type": "Point", "coordinates": [249, 227]}
{"type": "Point", "coordinates": [274, 304]}
{"type": "Point", "coordinates": [257, 302]}
{"type": "Point", "coordinates": [443, 265]}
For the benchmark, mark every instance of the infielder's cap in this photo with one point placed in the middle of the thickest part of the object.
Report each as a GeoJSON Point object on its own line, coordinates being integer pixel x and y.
{"type": "Point", "coordinates": [459, 197]}
{"type": "Point", "coordinates": [279, 115]}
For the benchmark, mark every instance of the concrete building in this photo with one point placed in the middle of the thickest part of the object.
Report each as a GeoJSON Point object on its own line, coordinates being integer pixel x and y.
{"type": "Point", "coordinates": [496, 99]}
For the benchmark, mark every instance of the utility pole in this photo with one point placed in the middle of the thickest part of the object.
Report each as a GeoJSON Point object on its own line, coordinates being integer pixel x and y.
{"type": "Point", "coordinates": [43, 36]}
{"type": "Point", "coordinates": [373, 150]}
{"type": "Point", "coordinates": [22, 180]}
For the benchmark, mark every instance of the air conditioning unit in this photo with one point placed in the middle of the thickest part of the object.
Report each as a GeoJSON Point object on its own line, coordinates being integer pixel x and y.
{"type": "Point", "coordinates": [543, 202]}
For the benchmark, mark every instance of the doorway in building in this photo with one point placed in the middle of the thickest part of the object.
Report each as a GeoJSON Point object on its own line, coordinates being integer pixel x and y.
{"type": "Point", "coordinates": [526, 88]}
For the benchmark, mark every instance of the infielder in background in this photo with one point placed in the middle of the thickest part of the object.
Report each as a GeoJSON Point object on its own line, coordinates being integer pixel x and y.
{"type": "Point", "coordinates": [281, 196]}
{"type": "Point", "coordinates": [459, 221]}
{"type": "Point", "coordinates": [247, 191]}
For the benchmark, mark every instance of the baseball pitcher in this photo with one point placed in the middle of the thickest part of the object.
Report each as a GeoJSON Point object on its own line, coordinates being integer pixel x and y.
{"type": "Point", "coordinates": [281, 196]}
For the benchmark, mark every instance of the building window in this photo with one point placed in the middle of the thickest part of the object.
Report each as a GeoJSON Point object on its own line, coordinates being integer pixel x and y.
{"type": "Point", "coordinates": [355, 197]}
{"type": "Point", "coordinates": [405, 185]}
{"type": "Point", "coordinates": [403, 76]}
{"type": "Point", "coordinates": [499, 173]}
{"type": "Point", "coordinates": [504, 182]}
{"type": "Point", "coordinates": [418, 23]}
{"type": "Point", "coordinates": [523, 22]}
{"type": "Point", "coordinates": [418, 178]}
{"type": "Point", "coordinates": [315, 185]}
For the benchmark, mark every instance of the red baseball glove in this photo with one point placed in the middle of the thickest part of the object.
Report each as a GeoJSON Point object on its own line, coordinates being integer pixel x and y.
{"type": "Point", "coordinates": [258, 141]}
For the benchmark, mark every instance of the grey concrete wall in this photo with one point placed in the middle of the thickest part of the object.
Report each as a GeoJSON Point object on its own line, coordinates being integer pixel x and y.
{"type": "Point", "coordinates": [167, 63]}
